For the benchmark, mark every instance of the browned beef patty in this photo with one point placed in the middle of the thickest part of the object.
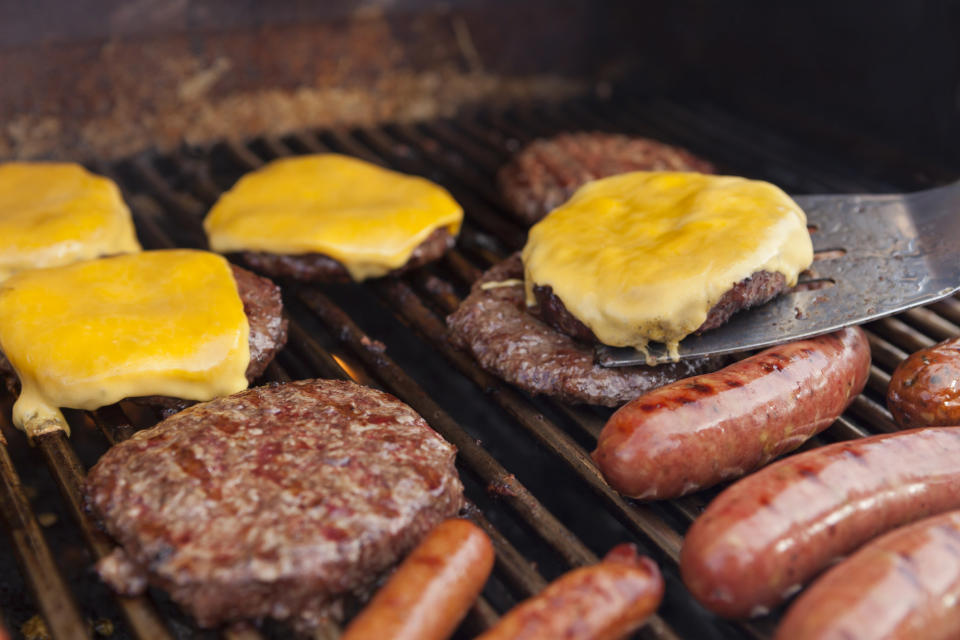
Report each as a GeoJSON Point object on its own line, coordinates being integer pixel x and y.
{"type": "Point", "coordinates": [316, 267]}
{"type": "Point", "coordinates": [272, 502]}
{"type": "Point", "coordinates": [494, 325]}
{"type": "Point", "coordinates": [545, 173]}
{"type": "Point", "coordinates": [263, 307]}
{"type": "Point", "coordinates": [760, 287]}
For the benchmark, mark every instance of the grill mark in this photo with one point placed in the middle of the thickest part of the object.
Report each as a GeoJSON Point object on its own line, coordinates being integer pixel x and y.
{"type": "Point", "coordinates": [906, 567]}
{"type": "Point", "coordinates": [952, 533]}
{"type": "Point", "coordinates": [853, 454]}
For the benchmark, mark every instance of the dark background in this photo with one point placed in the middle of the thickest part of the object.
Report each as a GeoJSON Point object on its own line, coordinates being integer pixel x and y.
{"type": "Point", "coordinates": [887, 71]}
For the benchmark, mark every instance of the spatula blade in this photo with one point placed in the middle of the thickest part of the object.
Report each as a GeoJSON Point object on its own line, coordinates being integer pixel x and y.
{"type": "Point", "coordinates": [878, 255]}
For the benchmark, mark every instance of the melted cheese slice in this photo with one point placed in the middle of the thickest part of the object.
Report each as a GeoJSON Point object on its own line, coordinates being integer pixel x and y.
{"type": "Point", "coordinates": [167, 323]}
{"type": "Point", "coordinates": [645, 255]}
{"type": "Point", "coordinates": [368, 218]}
{"type": "Point", "coordinates": [54, 214]}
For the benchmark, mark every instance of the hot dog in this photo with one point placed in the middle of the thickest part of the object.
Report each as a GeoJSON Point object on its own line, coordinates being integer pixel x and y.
{"type": "Point", "coordinates": [700, 431]}
{"type": "Point", "coordinates": [605, 601]}
{"type": "Point", "coordinates": [902, 586]}
{"type": "Point", "coordinates": [768, 534]}
{"type": "Point", "coordinates": [431, 590]}
{"type": "Point", "coordinates": [923, 389]}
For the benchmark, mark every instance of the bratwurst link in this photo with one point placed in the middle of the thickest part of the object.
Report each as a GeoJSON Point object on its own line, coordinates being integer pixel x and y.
{"type": "Point", "coordinates": [605, 601]}
{"type": "Point", "coordinates": [923, 388]}
{"type": "Point", "coordinates": [697, 432]}
{"type": "Point", "coordinates": [901, 586]}
{"type": "Point", "coordinates": [768, 534]}
{"type": "Point", "coordinates": [431, 590]}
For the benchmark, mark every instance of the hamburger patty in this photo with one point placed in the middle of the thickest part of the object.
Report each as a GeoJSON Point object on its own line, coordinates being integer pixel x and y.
{"type": "Point", "coordinates": [263, 307]}
{"type": "Point", "coordinates": [760, 287]}
{"type": "Point", "coordinates": [545, 173]}
{"type": "Point", "coordinates": [494, 325]}
{"type": "Point", "coordinates": [317, 267]}
{"type": "Point", "coordinates": [274, 501]}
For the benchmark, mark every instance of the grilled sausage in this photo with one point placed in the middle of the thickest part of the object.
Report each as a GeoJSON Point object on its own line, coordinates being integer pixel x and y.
{"type": "Point", "coordinates": [923, 390]}
{"type": "Point", "coordinates": [700, 431]}
{"type": "Point", "coordinates": [768, 534]}
{"type": "Point", "coordinates": [603, 602]}
{"type": "Point", "coordinates": [433, 588]}
{"type": "Point", "coordinates": [902, 586]}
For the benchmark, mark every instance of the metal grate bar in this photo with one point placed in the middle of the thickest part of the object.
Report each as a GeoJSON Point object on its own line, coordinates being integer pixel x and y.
{"type": "Point", "coordinates": [930, 323]}
{"type": "Point", "coordinates": [948, 308]}
{"type": "Point", "coordinates": [68, 471]}
{"type": "Point", "coordinates": [901, 334]}
{"type": "Point", "coordinates": [36, 562]}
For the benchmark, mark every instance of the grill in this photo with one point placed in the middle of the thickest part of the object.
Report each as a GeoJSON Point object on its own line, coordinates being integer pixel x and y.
{"type": "Point", "coordinates": [524, 460]}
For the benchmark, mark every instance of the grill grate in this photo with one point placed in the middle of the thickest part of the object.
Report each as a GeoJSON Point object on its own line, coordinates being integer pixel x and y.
{"type": "Point", "coordinates": [524, 460]}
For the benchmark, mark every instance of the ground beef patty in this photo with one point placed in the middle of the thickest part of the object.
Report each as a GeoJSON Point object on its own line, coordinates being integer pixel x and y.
{"type": "Point", "coordinates": [494, 325]}
{"type": "Point", "coordinates": [272, 502]}
{"type": "Point", "coordinates": [316, 267]}
{"type": "Point", "coordinates": [760, 287]}
{"type": "Point", "coordinates": [263, 307]}
{"type": "Point", "coordinates": [547, 171]}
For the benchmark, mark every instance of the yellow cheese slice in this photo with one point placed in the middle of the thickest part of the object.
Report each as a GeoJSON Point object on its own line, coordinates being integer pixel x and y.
{"type": "Point", "coordinates": [368, 218]}
{"type": "Point", "coordinates": [53, 214]}
{"type": "Point", "coordinates": [645, 255]}
{"type": "Point", "coordinates": [168, 323]}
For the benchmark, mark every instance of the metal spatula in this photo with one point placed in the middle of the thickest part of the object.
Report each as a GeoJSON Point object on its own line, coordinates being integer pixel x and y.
{"type": "Point", "coordinates": [875, 255]}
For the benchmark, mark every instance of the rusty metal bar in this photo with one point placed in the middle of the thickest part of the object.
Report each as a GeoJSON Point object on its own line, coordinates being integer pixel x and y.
{"type": "Point", "coordinates": [349, 144]}
{"type": "Point", "coordinates": [846, 429]}
{"type": "Point", "coordinates": [878, 381]}
{"type": "Point", "coordinates": [875, 414]}
{"type": "Point", "coordinates": [481, 617]}
{"type": "Point", "coordinates": [69, 474]}
{"type": "Point", "coordinates": [521, 574]}
{"type": "Point", "coordinates": [50, 591]}
{"type": "Point", "coordinates": [885, 353]}
{"type": "Point", "coordinates": [949, 308]}
{"type": "Point", "coordinates": [113, 423]}
{"type": "Point", "coordinates": [477, 155]}
{"type": "Point", "coordinates": [901, 334]}
{"type": "Point", "coordinates": [501, 145]}
{"type": "Point", "coordinates": [930, 323]}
